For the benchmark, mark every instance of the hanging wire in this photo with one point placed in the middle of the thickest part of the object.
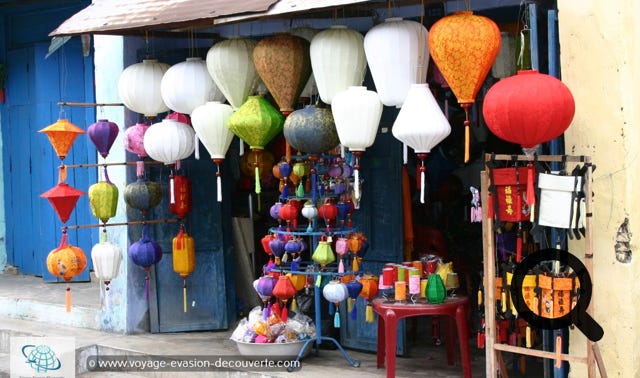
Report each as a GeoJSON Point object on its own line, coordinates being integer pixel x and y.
{"type": "Point", "coordinates": [63, 79]}
{"type": "Point", "coordinates": [467, 5]}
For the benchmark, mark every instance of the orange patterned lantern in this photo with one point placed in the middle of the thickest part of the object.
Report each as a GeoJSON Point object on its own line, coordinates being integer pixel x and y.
{"type": "Point", "coordinates": [61, 135]}
{"type": "Point", "coordinates": [464, 47]}
{"type": "Point", "coordinates": [66, 262]}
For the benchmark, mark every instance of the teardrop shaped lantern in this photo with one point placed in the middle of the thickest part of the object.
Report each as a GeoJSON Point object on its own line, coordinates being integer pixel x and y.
{"type": "Point", "coordinates": [61, 135]}
{"type": "Point", "coordinates": [184, 260]}
{"type": "Point", "coordinates": [284, 290]}
{"type": "Point", "coordinates": [66, 262]}
{"type": "Point", "coordinates": [139, 87]}
{"type": "Point", "coordinates": [310, 88]}
{"type": "Point", "coordinates": [143, 195]}
{"type": "Point", "coordinates": [311, 130]}
{"type": "Point", "coordinates": [528, 109]}
{"type": "Point", "coordinates": [421, 125]}
{"type": "Point", "coordinates": [133, 139]}
{"type": "Point", "coordinates": [283, 63]}
{"type": "Point", "coordinates": [436, 291]}
{"type": "Point", "coordinates": [106, 258]}
{"type": "Point", "coordinates": [187, 85]}
{"type": "Point", "coordinates": [357, 113]}
{"type": "Point", "coordinates": [230, 64]}
{"type": "Point", "coordinates": [264, 288]}
{"type": "Point", "coordinates": [464, 47]}
{"type": "Point", "coordinates": [103, 198]}
{"type": "Point", "coordinates": [169, 141]}
{"type": "Point", "coordinates": [398, 56]}
{"type": "Point", "coordinates": [335, 292]}
{"type": "Point", "coordinates": [63, 199]}
{"type": "Point", "coordinates": [103, 133]}
{"type": "Point", "coordinates": [338, 60]}
{"type": "Point", "coordinates": [353, 288]}
{"type": "Point", "coordinates": [210, 124]}
{"type": "Point", "coordinates": [180, 198]}
{"type": "Point", "coordinates": [145, 253]}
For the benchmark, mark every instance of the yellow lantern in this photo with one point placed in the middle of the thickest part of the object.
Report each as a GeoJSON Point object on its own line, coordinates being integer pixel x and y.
{"type": "Point", "coordinates": [184, 259]}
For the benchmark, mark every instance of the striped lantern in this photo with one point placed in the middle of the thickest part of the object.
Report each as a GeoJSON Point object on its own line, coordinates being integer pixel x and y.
{"type": "Point", "coordinates": [169, 141]}
{"type": "Point", "coordinates": [106, 258]}
{"type": "Point", "coordinates": [187, 85]}
{"type": "Point", "coordinates": [139, 87]}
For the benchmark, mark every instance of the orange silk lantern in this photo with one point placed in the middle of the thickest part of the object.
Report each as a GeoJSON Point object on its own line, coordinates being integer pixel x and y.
{"type": "Point", "coordinates": [66, 262]}
{"type": "Point", "coordinates": [368, 292]}
{"type": "Point", "coordinates": [464, 47]}
{"type": "Point", "coordinates": [61, 135]}
{"type": "Point", "coordinates": [184, 260]}
{"type": "Point", "coordinates": [284, 290]}
{"type": "Point", "coordinates": [63, 198]}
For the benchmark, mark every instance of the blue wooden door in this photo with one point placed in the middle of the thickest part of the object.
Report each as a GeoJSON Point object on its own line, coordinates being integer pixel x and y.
{"type": "Point", "coordinates": [380, 218]}
{"type": "Point", "coordinates": [34, 88]}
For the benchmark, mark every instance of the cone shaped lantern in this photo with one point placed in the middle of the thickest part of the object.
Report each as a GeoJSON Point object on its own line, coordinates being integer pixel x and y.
{"type": "Point", "coordinates": [63, 198]}
{"type": "Point", "coordinates": [61, 135]}
{"type": "Point", "coordinates": [464, 47]}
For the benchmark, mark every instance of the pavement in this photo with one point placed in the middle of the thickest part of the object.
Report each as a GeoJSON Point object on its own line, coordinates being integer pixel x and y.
{"type": "Point", "coordinates": [423, 357]}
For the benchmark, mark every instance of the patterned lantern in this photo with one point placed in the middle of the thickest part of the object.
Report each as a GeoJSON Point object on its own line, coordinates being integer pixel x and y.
{"type": "Point", "coordinates": [283, 63]}
{"type": "Point", "coordinates": [184, 260]}
{"type": "Point", "coordinates": [169, 141]}
{"type": "Point", "coordinates": [353, 288]}
{"type": "Point", "coordinates": [180, 199]}
{"type": "Point", "coordinates": [103, 133]}
{"type": "Point", "coordinates": [63, 198]}
{"type": "Point", "coordinates": [187, 85]}
{"type": "Point", "coordinates": [357, 113]}
{"type": "Point", "coordinates": [61, 135]}
{"type": "Point", "coordinates": [66, 262]}
{"type": "Point", "coordinates": [464, 46]}
{"type": "Point", "coordinates": [528, 109]}
{"type": "Point", "coordinates": [139, 87]}
{"type": "Point", "coordinates": [230, 64]}
{"type": "Point", "coordinates": [106, 258]}
{"type": "Point", "coordinates": [505, 63]}
{"type": "Point", "coordinates": [143, 195]}
{"type": "Point", "coordinates": [368, 292]}
{"type": "Point", "coordinates": [310, 88]}
{"type": "Point", "coordinates": [103, 198]}
{"type": "Point", "coordinates": [145, 253]}
{"type": "Point", "coordinates": [421, 125]}
{"type": "Point", "coordinates": [210, 124]}
{"type": "Point", "coordinates": [335, 292]}
{"type": "Point", "coordinates": [311, 130]}
{"type": "Point", "coordinates": [284, 290]}
{"type": "Point", "coordinates": [338, 60]}
{"type": "Point", "coordinates": [398, 55]}
{"type": "Point", "coordinates": [134, 139]}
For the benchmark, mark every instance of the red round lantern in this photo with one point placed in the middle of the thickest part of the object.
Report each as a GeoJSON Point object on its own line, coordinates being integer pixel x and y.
{"type": "Point", "coordinates": [289, 213]}
{"type": "Point", "coordinates": [529, 108]}
{"type": "Point", "coordinates": [328, 211]}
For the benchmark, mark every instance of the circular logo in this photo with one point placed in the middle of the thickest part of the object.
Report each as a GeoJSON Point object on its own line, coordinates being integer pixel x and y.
{"type": "Point", "coordinates": [578, 313]}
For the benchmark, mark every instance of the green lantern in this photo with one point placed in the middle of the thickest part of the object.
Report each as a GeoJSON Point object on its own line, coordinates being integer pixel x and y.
{"type": "Point", "coordinates": [103, 198]}
{"type": "Point", "coordinates": [436, 292]}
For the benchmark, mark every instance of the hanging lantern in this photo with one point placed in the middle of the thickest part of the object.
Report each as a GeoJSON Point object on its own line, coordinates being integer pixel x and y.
{"type": "Point", "coordinates": [66, 262]}
{"type": "Point", "coordinates": [289, 213]}
{"type": "Point", "coordinates": [210, 124]}
{"type": "Point", "coordinates": [180, 117]}
{"type": "Point", "coordinates": [436, 291]}
{"type": "Point", "coordinates": [276, 245]}
{"type": "Point", "coordinates": [103, 133]}
{"type": "Point", "coordinates": [528, 109]}
{"type": "Point", "coordinates": [264, 288]}
{"type": "Point", "coordinates": [342, 247]}
{"type": "Point", "coordinates": [311, 130]}
{"type": "Point", "coordinates": [139, 87]}
{"type": "Point", "coordinates": [230, 64]}
{"type": "Point", "coordinates": [505, 63]}
{"type": "Point", "coordinates": [187, 85]}
{"type": "Point", "coordinates": [368, 292]}
{"type": "Point", "coordinates": [323, 254]}
{"type": "Point", "coordinates": [309, 211]}
{"type": "Point", "coordinates": [184, 260]}
{"type": "Point", "coordinates": [61, 135]}
{"type": "Point", "coordinates": [335, 292]}
{"type": "Point", "coordinates": [354, 288]}
{"type": "Point", "coordinates": [328, 211]}
{"type": "Point", "coordinates": [169, 141]}
{"type": "Point", "coordinates": [103, 198]}
{"type": "Point", "coordinates": [63, 198]}
{"type": "Point", "coordinates": [357, 113]}
{"type": "Point", "coordinates": [421, 125]}
{"type": "Point", "coordinates": [283, 63]}
{"type": "Point", "coordinates": [134, 139]}
{"type": "Point", "coordinates": [310, 88]}
{"type": "Point", "coordinates": [338, 60]}
{"type": "Point", "coordinates": [143, 195]}
{"type": "Point", "coordinates": [398, 56]}
{"type": "Point", "coordinates": [265, 162]}
{"type": "Point", "coordinates": [464, 46]}
{"type": "Point", "coordinates": [284, 290]}
{"type": "Point", "coordinates": [106, 258]}
{"type": "Point", "coordinates": [180, 199]}
{"type": "Point", "coordinates": [145, 253]}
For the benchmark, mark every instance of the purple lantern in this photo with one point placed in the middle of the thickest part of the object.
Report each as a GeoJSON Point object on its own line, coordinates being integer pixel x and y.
{"type": "Point", "coordinates": [277, 247]}
{"type": "Point", "coordinates": [265, 290]}
{"type": "Point", "coordinates": [353, 289]}
{"type": "Point", "coordinates": [103, 133]}
{"type": "Point", "coordinates": [145, 253]}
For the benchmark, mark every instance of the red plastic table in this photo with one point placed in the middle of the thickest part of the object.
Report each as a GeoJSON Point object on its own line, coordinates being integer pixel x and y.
{"type": "Point", "coordinates": [455, 308]}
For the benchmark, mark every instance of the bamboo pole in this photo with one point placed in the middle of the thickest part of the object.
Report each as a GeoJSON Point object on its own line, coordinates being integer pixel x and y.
{"type": "Point", "coordinates": [152, 221]}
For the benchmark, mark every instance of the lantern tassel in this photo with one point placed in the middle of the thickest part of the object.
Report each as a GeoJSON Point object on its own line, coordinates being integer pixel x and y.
{"type": "Point", "coordinates": [196, 142]}
{"type": "Point", "coordinates": [356, 267]}
{"type": "Point", "coordinates": [422, 183]}
{"type": "Point", "coordinates": [405, 154]}
{"type": "Point", "coordinates": [172, 190]}
{"type": "Point", "coordinates": [531, 195]}
{"type": "Point", "coordinates": [336, 320]}
{"type": "Point", "coordinates": [558, 364]}
{"type": "Point", "coordinates": [340, 267]}
{"type": "Point", "coordinates": [284, 314]}
{"type": "Point", "coordinates": [349, 305]}
{"type": "Point", "coordinates": [139, 168]}
{"type": "Point", "coordinates": [528, 336]}
{"type": "Point", "coordinates": [519, 244]}
{"type": "Point", "coordinates": [184, 296]}
{"type": "Point", "coordinates": [241, 149]}
{"type": "Point", "coordinates": [258, 188]}
{"type": "Point", "coordinates": [318, 280]}
{"type": "Point", "coordinates": [369, 314]}
{"type": "Point", "coordinates": [219, 187]}
{"type": "Point", "coordinates": [354, 310]}
{"type": "Point", "coordinates": [68, 299]}
{"type": "Point", "coordinates": [62, 174]}
{"type": "Point", "coordinates": [294, 304]}
{"type": "Point", "coordinates": [146, 286]}
{"type": "Point", "coordinates": [467, 132]}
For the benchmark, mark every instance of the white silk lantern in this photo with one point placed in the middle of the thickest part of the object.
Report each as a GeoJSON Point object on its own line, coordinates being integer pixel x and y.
{"type": "Point", "coordinates": [139, 87]}
{"type": "Point", "coordinates": [421, 125]}
{"type": "Point", "coordinates": [505, 63]}
{"type": "Point", "coordinates": [106, 258]}
{"type": "Point", "coordinates": [169, 141]}
{"type": "Point", "coordinates": [335, 292]}
{"type": "Point", "coordinates": [398, 55]}
{"type": "Point", "coordinates": [356, 112]}
{"type": "Point", "coordinates": [338, 60]}
{"type": "Point", "coordinates": [210, 124]}
{"type": "Point", "coordinates": [187, 85]}
{"type": "Point", "coordinates": [311, 88]}
{"type": "Point", "coordinates": [230, 64]}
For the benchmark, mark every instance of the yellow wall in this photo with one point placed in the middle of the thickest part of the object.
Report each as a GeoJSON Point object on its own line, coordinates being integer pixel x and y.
{"type": "Point", "coordinates": [600, 53]}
